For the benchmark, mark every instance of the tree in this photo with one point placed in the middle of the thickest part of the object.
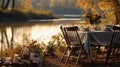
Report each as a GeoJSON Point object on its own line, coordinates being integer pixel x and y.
{"type": "Point", "coordinates": [5, 4]}
{"type": "Point", "coordinates": [2, 3]}
{"type": "Point", "coordinates": [116, 4]}
{"type": "Point", "coordinates": [13, 4]}
{"type": "Point", "coordinates": [103, 8]}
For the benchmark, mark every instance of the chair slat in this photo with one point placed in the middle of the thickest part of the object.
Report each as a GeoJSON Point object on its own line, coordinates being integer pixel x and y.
{"type": "Point", "coordinates": [73, 40]}
{"type": "Point", "coordinates": [112, 47]}
{"type": "Point", "coordinates": [115, 42]}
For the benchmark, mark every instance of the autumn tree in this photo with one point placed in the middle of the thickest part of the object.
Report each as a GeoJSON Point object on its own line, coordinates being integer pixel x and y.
{"type": "Point", "coordinates": [116, 4]}
{"type": "Point", "coordinates": [101, 7]}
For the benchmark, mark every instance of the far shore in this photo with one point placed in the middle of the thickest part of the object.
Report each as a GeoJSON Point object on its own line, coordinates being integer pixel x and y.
{"type": "Point", "coordinates": [18, 16]}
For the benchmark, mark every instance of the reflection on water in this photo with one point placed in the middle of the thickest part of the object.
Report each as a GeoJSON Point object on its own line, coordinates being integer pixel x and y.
{"type": "Point", "coordinates": [69, 15]}
{"type": "Point", "coordinates": [63, 19]}
{"type": "Point", "coordinates": [37, 30]}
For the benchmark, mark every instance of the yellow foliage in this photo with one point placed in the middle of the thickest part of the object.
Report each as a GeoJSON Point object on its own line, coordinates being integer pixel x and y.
{"type": "Point", "coordinates": [104, 6]}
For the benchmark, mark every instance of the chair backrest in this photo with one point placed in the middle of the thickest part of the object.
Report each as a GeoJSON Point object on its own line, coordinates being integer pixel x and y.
{"type": "Point", "coordinates": [115, 42]}
{"type": "Point", "coordinates": [71, 36]}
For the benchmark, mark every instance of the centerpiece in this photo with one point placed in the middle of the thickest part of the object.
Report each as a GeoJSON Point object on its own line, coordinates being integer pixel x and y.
{"type": "Point", "coordinates": [93, 19]}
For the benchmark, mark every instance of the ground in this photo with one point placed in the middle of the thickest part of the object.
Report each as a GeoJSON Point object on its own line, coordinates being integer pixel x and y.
{"type": "Point", "coordinates": [55, 62]}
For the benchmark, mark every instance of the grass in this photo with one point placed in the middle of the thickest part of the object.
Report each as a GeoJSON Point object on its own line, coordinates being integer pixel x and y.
{"type": "Point", "coordinates": [23, 15]}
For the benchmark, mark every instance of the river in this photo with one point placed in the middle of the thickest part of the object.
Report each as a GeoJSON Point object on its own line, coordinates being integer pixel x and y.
{"type": "Point", "coordinates": [40, 30]}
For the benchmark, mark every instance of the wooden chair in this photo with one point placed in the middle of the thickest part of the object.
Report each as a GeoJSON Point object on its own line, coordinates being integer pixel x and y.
{"type": "Point", "coordinates": [74, 45]}
{"type": "Point", "coordinates": [112, 49]}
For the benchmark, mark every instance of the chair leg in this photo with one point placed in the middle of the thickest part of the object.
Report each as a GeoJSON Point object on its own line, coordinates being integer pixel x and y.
{"type": "Point", "coordinates": [103, 53]}
{"type": "Point", "coordinates": [114, 50]}
{"type": "Point", "coordinates": [63, 56]}
{"type": "Point", "coordinates": [68, 56]}
{"type": "Point", "coordinates": [97, 53]}
{"type": "Point", "coordinates": [109, 50]}
{"type": "Point", "coordinates": [79, 55]}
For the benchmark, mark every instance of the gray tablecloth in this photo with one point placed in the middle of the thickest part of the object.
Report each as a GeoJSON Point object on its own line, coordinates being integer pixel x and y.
{"type": "Point", "coordinates": [98, 37]}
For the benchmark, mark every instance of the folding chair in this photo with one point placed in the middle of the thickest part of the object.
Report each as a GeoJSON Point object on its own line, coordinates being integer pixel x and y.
{"type": "Point", "coordinates": [74, 45]}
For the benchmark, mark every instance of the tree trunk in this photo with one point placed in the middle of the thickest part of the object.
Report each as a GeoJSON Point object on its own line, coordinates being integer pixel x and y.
{"type": "Point", "coordinates": [13, 4]}
{"type": "Point", "coordinates": [3, 1]}
{"type": "Point", "coordinates": [7, 4]}
{"type": "Point", "coordinates": [116, 4]}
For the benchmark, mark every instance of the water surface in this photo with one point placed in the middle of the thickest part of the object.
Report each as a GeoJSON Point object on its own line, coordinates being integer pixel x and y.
{"type": "Point", "coordinates": [40, 30]}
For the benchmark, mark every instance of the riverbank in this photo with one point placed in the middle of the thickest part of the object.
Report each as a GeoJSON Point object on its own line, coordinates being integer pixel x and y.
{"type": "Point", "coordinates": [16, 15]}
